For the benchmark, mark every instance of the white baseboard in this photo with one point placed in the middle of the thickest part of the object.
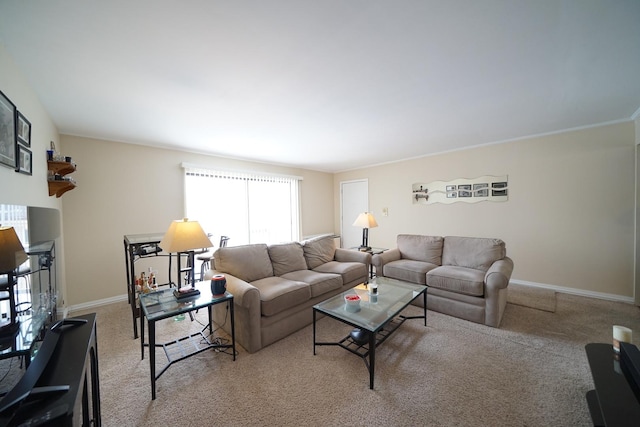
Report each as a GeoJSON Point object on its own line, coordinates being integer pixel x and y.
{"type": "Point", "coordinates": [96, 303]}
{"type": "Point", "coordinates": [574, 291]}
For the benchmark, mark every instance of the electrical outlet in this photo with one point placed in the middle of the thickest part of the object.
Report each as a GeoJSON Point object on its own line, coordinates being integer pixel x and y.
{"type": "Point", "coordinates": [385, 211]}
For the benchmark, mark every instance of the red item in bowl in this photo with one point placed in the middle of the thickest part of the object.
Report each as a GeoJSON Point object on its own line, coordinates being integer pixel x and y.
{"type": "Point", "coordinates": [352, 297]}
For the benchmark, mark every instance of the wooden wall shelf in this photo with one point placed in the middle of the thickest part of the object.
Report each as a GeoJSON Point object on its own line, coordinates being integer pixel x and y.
{"type": "Point", "coordinates": [59, 187]}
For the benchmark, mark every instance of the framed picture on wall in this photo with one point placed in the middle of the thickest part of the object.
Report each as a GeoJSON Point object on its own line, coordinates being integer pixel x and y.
{"type": "Point", "coordinates": [25, 162]}
{"type": "Point", "coordinates": [481, 190]}
{"type": "Point", "coordinates": [24, 130]}
{"type": "Point", "coordinates": [464, 190]}
{"type": "Point", "coordinates": [451, 192]}
{"type": "Point", "coordinates": [7, 132]}
{"type": "Point", "coordinates": [499, 189]}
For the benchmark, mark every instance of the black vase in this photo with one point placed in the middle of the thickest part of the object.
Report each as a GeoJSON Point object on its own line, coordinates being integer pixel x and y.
{"type": "Point", "coordinates": [218, 284]}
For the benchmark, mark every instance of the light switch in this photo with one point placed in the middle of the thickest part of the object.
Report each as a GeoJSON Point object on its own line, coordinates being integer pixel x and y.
{"type": "Point", "coordinates": [385, 211]}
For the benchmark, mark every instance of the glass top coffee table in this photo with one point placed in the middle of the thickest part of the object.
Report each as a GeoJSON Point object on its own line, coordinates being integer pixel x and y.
{"type": "Point", "coordinates": [376, 319]}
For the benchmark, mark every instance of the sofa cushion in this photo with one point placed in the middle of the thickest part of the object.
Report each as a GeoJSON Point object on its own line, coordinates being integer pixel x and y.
{"type": "Point", "coordinates": [278, 294]}
{"type": "Point", "coordinates": [420, 248]}
{"type": "Point", "coordinates": [457, 279]}
{"type": "Point", "coordinates": [287, 257]}
{"type": "Point", "coordinates": [319, 283]}
{"type": "Point", "coordinates": [350, 271]}
{"type": "Point", "coordinates": [319, 250]}
{"type": "Point", "coordinates": [472, 252]}
{"type": "Point", "coordinates": [409, 270]}
{"type": "Point", "coordinates": [247, 262]}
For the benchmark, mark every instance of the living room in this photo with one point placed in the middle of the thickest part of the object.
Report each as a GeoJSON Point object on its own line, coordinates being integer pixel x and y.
{"type": "Point", "coordinates": [569, 222]}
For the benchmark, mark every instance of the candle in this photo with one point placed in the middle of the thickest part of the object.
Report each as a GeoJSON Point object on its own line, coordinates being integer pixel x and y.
{"type": "Point", "coordinates": [621, 334]}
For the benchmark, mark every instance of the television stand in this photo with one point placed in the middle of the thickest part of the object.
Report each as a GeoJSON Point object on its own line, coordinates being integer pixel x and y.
{"type": "Point", "coordinates": [612, 402]}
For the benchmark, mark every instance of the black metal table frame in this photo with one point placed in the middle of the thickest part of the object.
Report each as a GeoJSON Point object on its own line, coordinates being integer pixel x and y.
{"type": "Point", "coordinates": [131, 251]}
{"type": "Point", "coordinates": [46, 253]}
{"type": "Point", "coordinates": [372, 251]}
{"type": "Point", "coordinates": [208, 344]}
{"type": "Point", "coordinates": [376, 336]}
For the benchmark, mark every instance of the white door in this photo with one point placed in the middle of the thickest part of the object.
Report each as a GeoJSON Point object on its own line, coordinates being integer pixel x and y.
{"type": "Point", "coordinates": [354, 199]}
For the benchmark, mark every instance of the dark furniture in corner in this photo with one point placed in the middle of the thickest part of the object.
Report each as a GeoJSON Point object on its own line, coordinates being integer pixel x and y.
{"type": "Point", "coordinates": [613, 401]}
{"type": "Point", "coordinates": [61, 385]}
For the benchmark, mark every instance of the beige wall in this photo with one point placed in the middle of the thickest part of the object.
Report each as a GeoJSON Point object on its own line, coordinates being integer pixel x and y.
{"type": "Point", "coordinates": [16, 188]}
{"type": "Point", "coordinates": [569, 220]}
{"type": "Point", "coordinates": [21, 189]}
{"type": "Point", "coordinates": [133, 189]}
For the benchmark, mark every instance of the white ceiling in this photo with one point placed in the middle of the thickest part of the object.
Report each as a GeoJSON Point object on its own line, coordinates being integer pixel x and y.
{"type": "Point", "coordinates": [329, 85]}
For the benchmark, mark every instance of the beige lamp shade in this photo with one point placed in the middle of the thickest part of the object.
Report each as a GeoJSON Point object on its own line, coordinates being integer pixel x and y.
{"type": "Point", "coordinates": [365, 220]}
{"type": "Point", "coordinates": [12, 252]}
{"type": "Point", "coordinates": [183, 236]}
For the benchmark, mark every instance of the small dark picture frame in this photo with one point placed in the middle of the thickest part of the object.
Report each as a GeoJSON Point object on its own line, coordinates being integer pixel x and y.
{"type": "Point", "coordinates": [23, 130]}
{"type": "Point", "coordinates": [481, 190]}
{"type": "Point", "coordinates": [499, 189]}
{"type": "Point", "coordinates": [25, 162]}
{"type": "Point", "coordinates": [7, 132]}
{"type": "Point", "coordinates": [464, 190]}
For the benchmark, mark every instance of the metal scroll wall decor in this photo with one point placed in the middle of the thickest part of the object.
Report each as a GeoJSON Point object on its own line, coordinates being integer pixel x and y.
{"type": "Point", "coordinates": [484, 188]}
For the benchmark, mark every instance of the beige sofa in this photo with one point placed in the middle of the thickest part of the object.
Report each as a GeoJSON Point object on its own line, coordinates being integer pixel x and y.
{"type": "Point", "coordinates": [467, 276]}
{"type": "Point", "coordinates": [275, 286]}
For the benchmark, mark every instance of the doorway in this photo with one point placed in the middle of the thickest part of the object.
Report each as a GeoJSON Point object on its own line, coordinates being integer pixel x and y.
{"type": "Point", "coordinates": [354, 199]}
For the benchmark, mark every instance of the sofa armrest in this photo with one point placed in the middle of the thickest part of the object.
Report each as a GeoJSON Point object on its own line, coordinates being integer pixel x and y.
{"type": "Point", "coordinates": [244, 293]}
{"type": "Point", "coordinates": [247, 310]}
{"type": "Point", "coordinates": [496, 281]}
{"type": "Point", "coordinates": [350, 255]}
{"type": "Point", "coordinates": [498, 275]}
{"type": "Point", "coordinates": [379, 260]}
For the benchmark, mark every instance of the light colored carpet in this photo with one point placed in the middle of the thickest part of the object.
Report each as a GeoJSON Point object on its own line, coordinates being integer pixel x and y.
{"type": "Point", "coordinates": [532, 371]}
{"type": "Point", "coordinates": [532, 297]}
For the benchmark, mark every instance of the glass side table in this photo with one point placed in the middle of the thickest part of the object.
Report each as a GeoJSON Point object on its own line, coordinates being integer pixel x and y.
{"type": "Point", "coordinates": [372, 251]}
{"type": "Point", "coordinates": [156, 306]}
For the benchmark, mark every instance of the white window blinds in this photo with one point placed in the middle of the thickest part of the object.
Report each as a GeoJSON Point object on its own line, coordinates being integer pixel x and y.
{"type": "Point", "coordinates": [248, 207]}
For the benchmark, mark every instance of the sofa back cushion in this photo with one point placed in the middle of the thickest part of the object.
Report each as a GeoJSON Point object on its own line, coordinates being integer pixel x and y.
{"type": "Point", "coordinates": [472, 252]}
{"type": "Point", "coordinates": [420, 248]}
{"type": "Point", "coordinates": [319, 250]}
{"type": "Point", "coordinates": [287, 257]}
{"type": "Point", "coordinates": [247, 262]}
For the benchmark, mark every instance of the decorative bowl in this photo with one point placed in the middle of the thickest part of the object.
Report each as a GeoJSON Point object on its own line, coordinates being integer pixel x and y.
{"type": "Point", "coordinates": [352, 302]}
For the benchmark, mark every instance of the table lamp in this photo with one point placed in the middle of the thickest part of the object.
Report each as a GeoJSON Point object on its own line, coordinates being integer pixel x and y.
{"type": "Point", "coordinates": [12, 255]}
{"type": "Point", "coordinates": [183, 237]}
{"type": "Point", "coordinates": [366, 221]}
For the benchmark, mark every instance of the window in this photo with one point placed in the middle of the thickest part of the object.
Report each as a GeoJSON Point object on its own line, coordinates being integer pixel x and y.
{"type": "Point", "coordinates": [16, 216]}
{"type": "Point", "coordinates": [247, 207]}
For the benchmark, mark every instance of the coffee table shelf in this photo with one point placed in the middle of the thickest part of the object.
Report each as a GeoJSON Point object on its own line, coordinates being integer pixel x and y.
{"type": "Point", "coordinates": [378, 317]}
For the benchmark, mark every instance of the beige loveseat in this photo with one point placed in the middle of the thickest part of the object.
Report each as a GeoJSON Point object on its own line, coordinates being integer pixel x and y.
{"type": "Point", "coordinates": [467, 276]}
{"type": "Point", "coordinates": [275, 286]}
